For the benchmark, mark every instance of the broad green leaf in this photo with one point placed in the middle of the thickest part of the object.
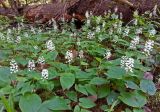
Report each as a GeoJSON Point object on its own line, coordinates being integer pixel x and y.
{"type": "Point", "coordinates": [103, 91]}
{"type": "Point", "coordinates": [86, 103]}
{"type": "Point", "coordinates": [133, 99]}
{"type": "Point", "coordinates": [81, 89]}
{"type": "Point", "coordinates": [91, 89]}
{"type": "Point", "coordinates": [56, 103]}
{"type": "Point", "coordinates": [67, 80]}
{"type": "Point", "coordinates": [116, 72]}
{"type": "Point", "coordinates": [4, 76]}
{"type": "Point", "coordinates": [148, 86]}
{"type": "Point", "coordinates": [132, 85]}
{"type": "Point", "coordinates": [30, 103]}
{"type": "Point", "coordinates": [113, 96]}
{"type": "Point", "coordinates": [72, 95]}
{"type": "Point", "coordinates": [98, 81]}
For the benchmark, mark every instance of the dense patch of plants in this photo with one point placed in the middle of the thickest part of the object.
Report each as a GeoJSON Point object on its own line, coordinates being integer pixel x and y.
{"type": "Point", "coordinates": [59, 69]}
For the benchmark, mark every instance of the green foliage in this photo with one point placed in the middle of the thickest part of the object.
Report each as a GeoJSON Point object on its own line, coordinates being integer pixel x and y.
{"type": "Point", "coordinates": [74, 69]}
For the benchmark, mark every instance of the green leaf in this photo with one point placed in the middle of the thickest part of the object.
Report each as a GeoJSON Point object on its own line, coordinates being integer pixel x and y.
{"type": "Point", "coordinates": [91, 89]}
{"type": "Point", "coordinates": [116, 72]}
{"type": "Point", "coordinates": [67, 80]}
{"type": "Point", "coordinates": [81, 89]}
{"type": "Point", "coordinates": [4, 76]}
{"type": "Point", "coordinates": [112, 97]}
{"type": "Point", "coordinates": [148, 86]}
{"type": "Point", "coordinates": [56, 103]}
{"type": "Point", "coordinates": [77, 109]}
{"type": "Point", "coordinates": [131, 85]}
{"type": "Point", "coordinates": [103, 91]}
{"type": "Point", "coordinates": [72, 95]}
{"type": "Point", "coordinates": [30, 103]}
{"type": "Point", "coordinates": [86, 103]}
{"type": "Point", "coordinates": [98, 81]}
{"type": "Point", "coordinates": [133, 99]}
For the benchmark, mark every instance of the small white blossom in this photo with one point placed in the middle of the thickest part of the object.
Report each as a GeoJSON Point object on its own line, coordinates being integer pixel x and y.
{"type": "Point", "coordinates": [91, 35]}
{"type": "Point", "coordinates": [18, 39]}
{"type": "Point", "coordinates": [33, 30]}
{"type": "Point", "coordinates": [69, 56]}
{"type": "Point", "coordinates": [26, 34]}
{"type": "Point", "coordinates": [50, 45]}
{"type": "Point", "coordinates": [2, 36]}
{"type": "Point", "coordinates": [31, 65]}
{"type": "Point", "coordinates": [88, 22]}
{"type": "Point", "coordinates": [44, 74]}
{"type": "Point", "coordinates": [135, 22]}
{"type": "Point", "coordinates": [148, 47]}
{"type": "Point", "coordinates": [87, 14]}
{"type": "Point", "coordinates": [134, 42]}
{"type": "Point", "coordinates": [41, 60]}
{"type": "Point", "coordinates": [81, 54]}
{"type": "Point", "coordinates": [107, 55]}
{"type": "Point", "coordinates": [104, 24]}
{"type": "Point", "coordinates": [13, 66]}
{"type": "Point", "coordinates": [135, 13]}
{"type": "Point", "coordinates": [152, 32]}
{"type": "Point", "coordinates": [139, 31]}
{"type": "Point", "coordinates": [127, 63]}
{"type": "Point", "coordinates": [155, 10]}
{"type": "Point", "coordinates": [121, 15]}
{"type": "Point", "coordinates": [98, 29]}
{"type": "Point", "coordinates": [98, 20]}
{"type": "Point", "coordinates": [35, 47]}
{"type": "Point", "coordinates": [126, 31]}
{"type": "Point", "coordinates": [110, 31]}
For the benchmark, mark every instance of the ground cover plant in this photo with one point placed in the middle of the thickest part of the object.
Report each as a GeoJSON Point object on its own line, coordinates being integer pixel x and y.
{"type": "Point", "coordinates": [105, 66]}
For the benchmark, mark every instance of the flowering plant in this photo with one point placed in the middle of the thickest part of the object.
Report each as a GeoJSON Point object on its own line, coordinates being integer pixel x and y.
{"type": "Point", "coordinates": [102, 66]}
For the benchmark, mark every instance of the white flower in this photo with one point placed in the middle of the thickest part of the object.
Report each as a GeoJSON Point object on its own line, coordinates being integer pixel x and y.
{"type": "Point", "coordinates": [104, 24]}
{"type": "Point", "coordinates": [50, 45]}
{"type": "Point", "coordinates": [98, 20]}
{"type": "Point", "coordinates": [88, 22]}
{"type": "Point", "coordinates": [152, 32]}
{"type": "Point", "coordinates": [31, 65]}
{"type": "Point", "coordinates": [33, 30]}
{"type": "Point", "coordinates": [90, 35]}
{"type": "Point", "coordinates": [110, 31]}
{"type": "Point", "coordinates": [81, 54]}
{"type": "Point", "coordinates": [69, 56]}
{"type": "Point", "coordinates": [107, 55]}
{"type": "Point", "coordinates": [155, 10]}
{"type": "Point", "coordinates": [135, 13]}
{"type": "Point", "coordinates": [2, 36]}
{"type": "Point", "coordinates": [18, 39]}
{"type": "Point", "coordinates": [148, 47]}
{"type": "Point", "coordinates": [126, 31]}
{"type": "Point", "coordinates": [87, 14]}
{"type": "Point", "coordinates": [35, 47]}
{"type": "Point", "coordinates": [78, 42]}
{"type": "Point", "coordinates": [44, 74]}
{"type": "Point", "coordinates": [135, 22]}
{"type": "Point", "coordinates": [13, 66]}
{"type": "Point", "coordinates": [98, 29]}
{"type": "Point", "coordinates": [134, 42]}
{"type": "Point", "coordinates": [26, 34]}
{"type": "Point", "coordinates": [121, 15]}
{"type": "Point", "coordinates": [127, 63]}
{"type": "Point", "coordinates": [139, 31]}
{"type": "Point", "coordinates": [41, 60]}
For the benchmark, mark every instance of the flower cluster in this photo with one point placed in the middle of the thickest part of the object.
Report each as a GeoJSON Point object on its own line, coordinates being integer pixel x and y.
{"type": "Point", "coordinates": [148, 47]}
{"type": "Point", "coordinates": [81, 54]}
{"type": "Point", "coordinates": [50, 46]}
{"type": "Point", "coordinates": [13, 66]}
{"type": "Point", "coordinates": [31, 65]}
{"type": "Point", "coordinates": [91, 35]}
{"type": "Point", "coordinates": [126, 31]}
{"type": "Point", "coordinates": [152, 32]}
{"type": "Point", "coordinates": [41, 60]}
{"type": "Point", "coordinates": [69, 56]}
{"type": "Point", "coordinates": [127, 63]}
{"type": "Point", "coordinates": [44, 74]}
{"type": "Point", "coordinates": [134, 42]}
{"type": "Point", "coordinates": [139, 31]}
{"type": "Point", "coordinates": [107, 55]}
{"type": "Point", "coordinates": [18, 39]}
